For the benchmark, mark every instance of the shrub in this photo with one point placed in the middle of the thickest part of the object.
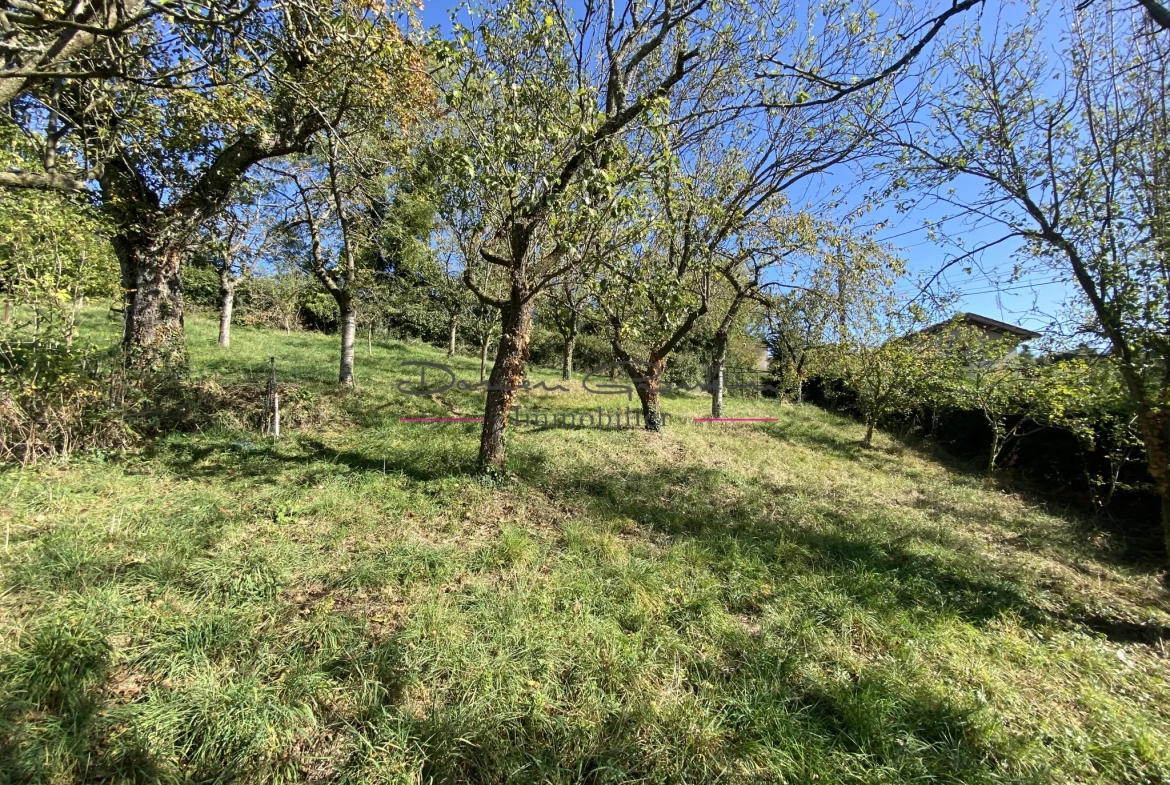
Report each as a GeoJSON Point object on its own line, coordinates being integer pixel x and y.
{"type": "Point", "coordinates": [57, 398]}
{"type": "Point", "coordinates": [685, 368]}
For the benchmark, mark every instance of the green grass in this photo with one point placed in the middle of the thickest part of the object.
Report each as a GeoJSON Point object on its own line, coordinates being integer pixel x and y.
{"type": "Point", "coordinates": [743, 603]}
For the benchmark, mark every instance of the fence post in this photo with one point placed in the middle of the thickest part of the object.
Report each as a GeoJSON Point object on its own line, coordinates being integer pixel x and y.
{"type": "Point", "coordinates": [270, 404]}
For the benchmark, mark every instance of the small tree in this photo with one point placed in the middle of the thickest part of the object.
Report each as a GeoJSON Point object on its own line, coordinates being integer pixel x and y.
{"type": "Point", "coordinates": [236, 242]}
{"type": "Point", "coordinates": [1007, 390]}
{"type": "Point", "coordinates": [887, 372]}
{"type": "Point", "coordinates": [1015, 394]}
{"type": "Point", "coordinates": [795, 325]}
{"type": "Point", "coordinates": [565, 306]}
{"type": "Point", "coordinates": [1104, 421]}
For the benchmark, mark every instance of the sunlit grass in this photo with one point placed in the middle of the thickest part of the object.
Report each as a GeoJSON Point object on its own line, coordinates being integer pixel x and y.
{"type": "Point", "coordinates": [733, 602]}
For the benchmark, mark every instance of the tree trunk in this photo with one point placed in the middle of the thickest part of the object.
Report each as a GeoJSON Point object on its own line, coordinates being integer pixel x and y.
{"type": "Point", "coordinates": [370, 340]}
{"type": "Point", "coordinates": [995, 442]}
{"type": "Point", "coordinates": [348, 334]}
{"type": "Point", "coordinates": [153, 335]}
{"type": "Point", "coordinates": [868, 440]}
{"type": "Point", "coordinates": [718, 362]}
{"type": "Point", "coordinates": [1166, 530]}
{"type": "Point", "coordinates": [227, 297]}
{"type": "Point", "coordinates": [452, 327]}
{"type": "Point", "coordinates": [648, 393]}
{"type": "Point", "coordinates": [567, 363]}
{"type": "Point", "coordinates": [507, 374]}
{"type": "Point", "coordinates": [1155, 428]}
{"type": "Point", "coordinates": [7, 312]}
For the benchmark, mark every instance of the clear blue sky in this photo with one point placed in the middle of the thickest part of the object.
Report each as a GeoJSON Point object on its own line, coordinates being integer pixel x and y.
{"type": "Point", "coordinates": [1034, 301]}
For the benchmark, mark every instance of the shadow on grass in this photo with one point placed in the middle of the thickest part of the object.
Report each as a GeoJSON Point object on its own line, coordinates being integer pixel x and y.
{"type": "Point", "coordinates": [309, 458]}
{"type": "Point", "coordinates": [764, 711]}
{"type": "Point", "coordinates": [780, 728]}
{"type": "Point", "coordinates": [868, 558]}
{"type": "Point", "coordinates": [1134, 544]}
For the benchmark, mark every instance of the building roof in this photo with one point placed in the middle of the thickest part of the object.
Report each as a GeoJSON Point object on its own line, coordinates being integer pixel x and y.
{"type": "Point", "coordinates": [987, 323]}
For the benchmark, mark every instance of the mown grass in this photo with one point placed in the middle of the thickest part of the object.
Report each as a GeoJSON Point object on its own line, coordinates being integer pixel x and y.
{"type": "Point", "coordinates": [743, 603]}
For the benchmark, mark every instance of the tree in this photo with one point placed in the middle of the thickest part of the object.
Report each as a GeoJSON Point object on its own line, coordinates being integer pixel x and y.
{"type": "Point", "coordinates": [1104, 422]}
{"type": "Point", "coordinates": [322, 210]}
{"type": "Point", "coordinates": [720, 187]}
{"type": "Point", "coordinates": [796, 323]}
{"type": "Point", "coordinates": [565, 305]}
{"type": "Point", "coordinates": [555, 115]}
{"type": "Point", "coordinates": [651, 293]}
{"type": "Point", "coordinates": [868, 339]}
{"type": "Point", "coordinates": [542, 102]}
{"type": "Point", "coordinates": [41, 41]}
{"type": "Point", "coordinates": [887, 369]}
{"type": "Point", "coordinates": [164, 120]}
{"type": "Point", "coordinates": [236, 242]}
{"type": "Point", "coordinates": [992, 380]}
{"type": "Point", "coordinates": [1015, 394]}
{"type": "Point", "coordinates": [1071, 157]}
{"type": "Point", "coordinates": [444, 281]}
{"type": "Point", "coordinates": [751, 273]}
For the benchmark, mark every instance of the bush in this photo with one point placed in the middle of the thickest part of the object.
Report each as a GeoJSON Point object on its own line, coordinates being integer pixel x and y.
{"type": "Point", "coordinates": [686, 368]}
{"type": "Point", "coordinates": [201, 286]}
{"type": "Point", "coordinates": [1093, 465]}
{"type": "Point", "coordinates": [57, 398]}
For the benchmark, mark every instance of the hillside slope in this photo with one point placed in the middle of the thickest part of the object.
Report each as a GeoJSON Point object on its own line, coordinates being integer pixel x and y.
{"type": "Point", "coordinates": [720, 602]}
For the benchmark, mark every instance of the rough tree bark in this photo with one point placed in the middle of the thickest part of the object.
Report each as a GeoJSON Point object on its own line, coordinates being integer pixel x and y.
{"type": "Point", "coordinates": [452, 328]}
{"type": "Point", "coordinates": [647, 387]}
{"type": "Point", "coordinates": [150, 263]}
{"type": "Point", "coordinates": [151, 241]}
{"type": "Point", "coordinates": [507, 372]}
{"type": "Point", "coordinates": [647, 374]}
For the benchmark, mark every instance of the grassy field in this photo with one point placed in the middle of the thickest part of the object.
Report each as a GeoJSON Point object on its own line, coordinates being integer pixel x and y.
{"type": "Point", "coordinates": [731, 602]}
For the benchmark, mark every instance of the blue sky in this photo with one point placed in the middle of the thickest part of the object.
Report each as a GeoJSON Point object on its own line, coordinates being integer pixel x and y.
{"type": "Point", "coordinates": [1036, 300]}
